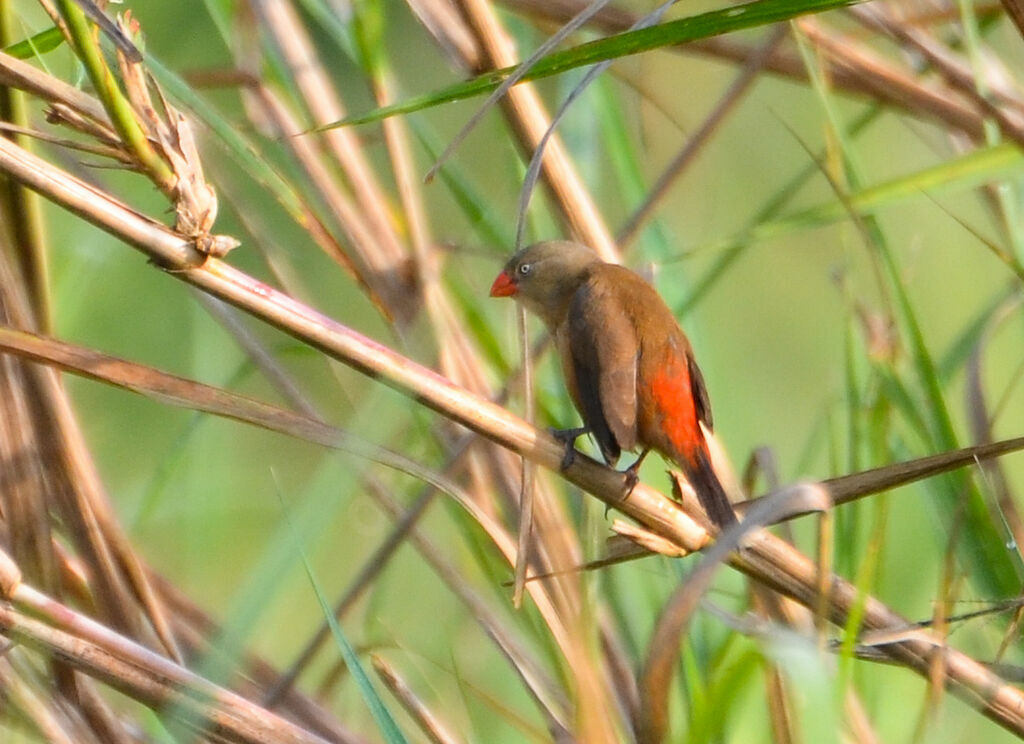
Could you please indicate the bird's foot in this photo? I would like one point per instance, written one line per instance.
(631, 474)
(568, 438)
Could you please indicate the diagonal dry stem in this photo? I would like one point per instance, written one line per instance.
(1006, 108)
(365, 204)
(148, 677)
(429, 722)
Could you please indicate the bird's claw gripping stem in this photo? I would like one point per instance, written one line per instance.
(568, 438)
(632, 472)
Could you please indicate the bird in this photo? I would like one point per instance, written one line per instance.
(628, 366)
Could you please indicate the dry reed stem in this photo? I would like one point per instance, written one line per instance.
(911, 640)
(426, 719)
(174, 390)
(322, 101)
(79, 362)
(78, 640)
(447, 27)
(309, 157)
(861, 730)
(1003, 106)
(196, 631)
(20, 210)
(100, 150)
(460, 362)
(151, 679)
(62, 477)
(34, 707)
(884, 81)
(16, 73)
(309, 427)
(556, 546)
(22, 452)
(1015, 10)
(766, 558)
(366, 214)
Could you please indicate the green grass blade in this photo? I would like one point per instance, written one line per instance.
(41, 43)
(702, 26)
(385, 722)
(967, 172)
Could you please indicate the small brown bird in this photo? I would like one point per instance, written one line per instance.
(627, 364)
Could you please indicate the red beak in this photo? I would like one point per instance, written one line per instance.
(503, 286)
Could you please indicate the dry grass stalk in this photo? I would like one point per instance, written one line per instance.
(996, 101)
(427, 720)
(362, 207)
(1015, 10)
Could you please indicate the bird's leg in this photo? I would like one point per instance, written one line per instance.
(568, 438)
(631, 472)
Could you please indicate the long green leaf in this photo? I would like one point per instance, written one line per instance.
(703, 26)
(385, 722)
(41, 43)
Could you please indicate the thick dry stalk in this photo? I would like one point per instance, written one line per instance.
(189, 698)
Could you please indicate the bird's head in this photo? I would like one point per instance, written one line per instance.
(544, 276)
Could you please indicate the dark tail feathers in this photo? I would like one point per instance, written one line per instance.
(710, 492)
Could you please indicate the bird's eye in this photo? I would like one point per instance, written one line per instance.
(525, 269)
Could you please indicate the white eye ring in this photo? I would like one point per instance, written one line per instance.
(525, 268)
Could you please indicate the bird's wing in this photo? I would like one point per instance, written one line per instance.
(604, 351)
(701, 400)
